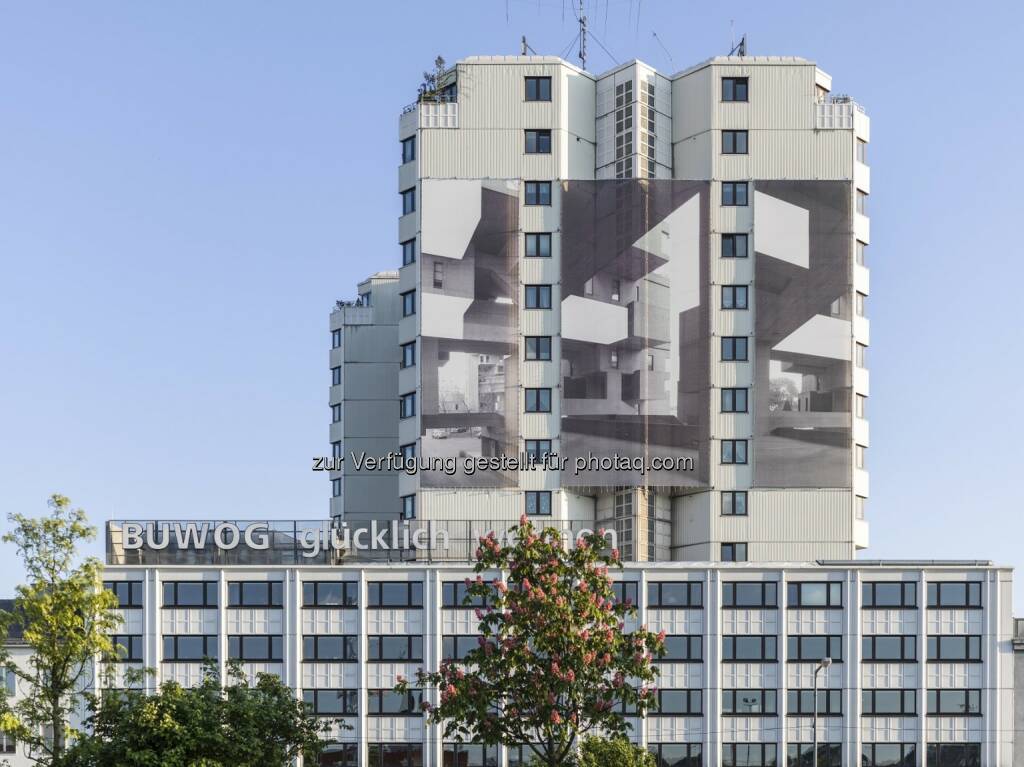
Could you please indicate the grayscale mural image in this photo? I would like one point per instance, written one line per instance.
(803, 334)
(634, 328)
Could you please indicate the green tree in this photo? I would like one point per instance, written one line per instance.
(66, 617)
(612, 752)
(553, 662)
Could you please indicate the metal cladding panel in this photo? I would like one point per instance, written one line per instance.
(485, 505)
(487, 153)
(371, 343)
(786, 154)
(494, 95)
(693, 98)
(371, 418)
(371, 380)
(781, 97)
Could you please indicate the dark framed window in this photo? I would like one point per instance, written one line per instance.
(407, 451)
(340, 755)
(734, 246)
(128, 593)
(469, 755)
(734, 451)
(734, 348)
(538, 400)
(538, 141)
(190, 593)
(409, 252)
(735, 297)
(330, 647)
(408, 354)
(335, 594)
(255, 594)
(674, 754)
(455, 596)
(734, 552)
(538, 192)
(538, 88)
(408, 303)
(538, 296)
(749, 703)
(408, 506)
(734, 400)
(521, 755)
(802, 755)
(807, 648)
(954, 648)
(408, 149)
(256, 647)
(750, 648)
(456, 646)
(888, 703)
(190, 647)
(954, 702)
(734, 142)
(748, 755)
(734, 503)
(683, 648)
(538, 244)
(336, 339)
(407, 405)
(335, 376)
(889, 755)
(961, 594)
(953, 755)
(538, 348)
(332, 702)
(392, 594)
(408, 201)
(862, 202)
(127, 648)
(627, 593)
(889, 594)
(336, 413)
(391, 703)
(669, 594)
(336, 488)
(336, 449)
(735, 89)
(814, 594)
(394, 755)
(8, 743)
(678, 703)
(758, 594)
(888, 648)
(734, 193)
(537, 449)
(538, 503)
(801, 702)
(392, 648)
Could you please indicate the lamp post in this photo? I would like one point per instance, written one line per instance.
(825, 663)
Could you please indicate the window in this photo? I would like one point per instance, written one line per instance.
(408, 506)
(734, 451)
(674, 754)
(407, 405)
(809, 648)
(669, 594)
(954, 648)
(734, 297)
(408, 201)
(190, 593)
(538, 245)
(888, 703)
(522, 756)
(255, 647)
(538, 142)
(538, 192)
(538, 400)
(858, 303)
(627, 593)
(734, 552)
(613, 359)
(10, 682)
(390, 648)
(801, 702)
(455, 595)
(734, 193)
(748, 755)
(457, 646)
(734, 503)
(386, 594)
(438, 275)
(408, 354)
(888, 595)
(538, 89)
(336, 413)
(255, 594)
(859, 249)
(340, 755)
(332, 702)
(616, 289)
(128, 593)
(734, 246)
(860, 456)
(802, 755)
(862, 202)
(889, 755)
(889, 648)
(860, 405)
(537, 449)
(734, 400)
(538, 502)
(189, 648)
(391, 703)
(954, 702)
(394, 755)
(336, 488)
(127, 647)
(8, 743)
(538, 347)
(953, 755)
(814, 595)
(335, 594)
(861, 355)
(749, 703)
(336, 339)
(755, 594)
(409, 252)
(330, 648)
(750, 648)
(365, 299)
(734, 88)
(409, 303)
(734, 142)
(650, 362)
(538, 296)
(734, 348)
(335, 376)
(682, 648)
(678, 703)
(408, 149)
(469, 755)
(862, 151)
(953, 594)
(858, 506)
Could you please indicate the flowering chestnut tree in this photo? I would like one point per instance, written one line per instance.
(553, 661)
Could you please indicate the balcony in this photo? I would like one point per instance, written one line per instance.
(836, 114)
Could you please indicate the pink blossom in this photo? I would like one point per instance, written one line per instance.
(450, 689)
(479, 613)
(556, 718)
(523, 521)
(661, 635)
(615, 555)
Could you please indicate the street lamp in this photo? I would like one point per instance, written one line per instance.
(825, 663)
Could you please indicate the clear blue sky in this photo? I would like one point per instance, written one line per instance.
(186, 188)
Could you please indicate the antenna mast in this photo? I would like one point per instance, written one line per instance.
(583, 37)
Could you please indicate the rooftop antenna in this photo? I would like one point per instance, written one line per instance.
(740, 48)
(526, 47)
(583, 37)
(670, 61)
